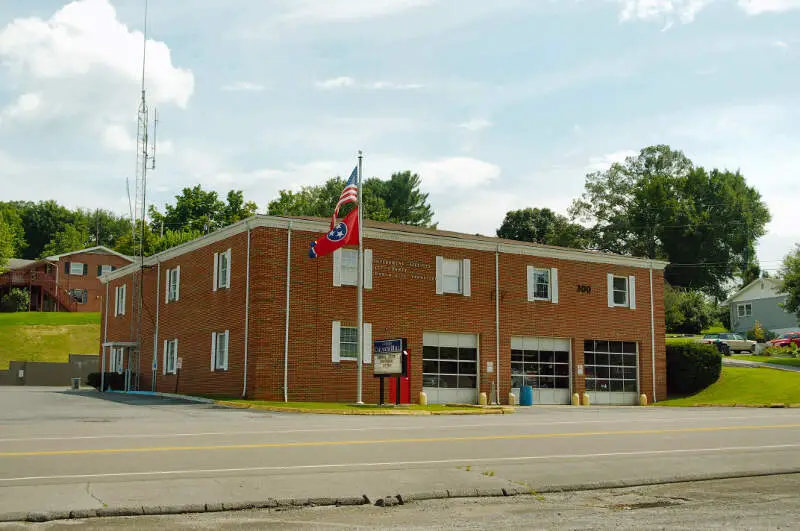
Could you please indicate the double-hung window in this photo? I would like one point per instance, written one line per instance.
(453, 276)
(621, 291)
(345, 268)
(222, 270)
(170, 356)
(119, 300)
(173, 284)
(344, 343)
(219, 350)
(543, 284)
(76, 268)
(349, 271)
(103, 269)
(744, 310)
(80, 296)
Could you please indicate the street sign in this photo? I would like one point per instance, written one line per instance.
(388, 357)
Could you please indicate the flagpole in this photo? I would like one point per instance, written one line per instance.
(360, 357)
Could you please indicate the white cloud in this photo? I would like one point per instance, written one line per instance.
(117, 138)
(347, 10)
(390, 85)
(24, 104)
(687, 10)
(603, 162)
(455, 173)
(243, 86)
(781, 44)
(757, 7)
(349, 82)
(336, 82)
(476, 124)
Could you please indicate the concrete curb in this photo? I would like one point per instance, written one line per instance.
(476, 410)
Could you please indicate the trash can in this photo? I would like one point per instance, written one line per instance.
(76, 383)
(526, 395)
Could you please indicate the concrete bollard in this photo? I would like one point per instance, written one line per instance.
(643, 399)
(512, 399)
(576, 399)
(482, 399)
(423, 398)
(586, 401)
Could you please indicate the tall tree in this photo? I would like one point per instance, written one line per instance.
(542, 225)
(6, 243)
(790, 272)
(71, 238)
(11, 213)
(42, 221)
(104, 226)
(195, 209)
(659, 205)
(237, 208)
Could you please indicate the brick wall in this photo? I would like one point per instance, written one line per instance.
(402, 303)
(89, 282)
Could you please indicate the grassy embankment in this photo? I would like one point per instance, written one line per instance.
(747, 387)
(47, 336)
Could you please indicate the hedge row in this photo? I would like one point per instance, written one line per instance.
(691, 367)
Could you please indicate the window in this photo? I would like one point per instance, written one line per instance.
(452, 276)
(744, 310)
(542, 363)
(116, 362)
(344, 343)
(170, 356)
(345, 268)
(453, 364)
(349, 271)
(119, 300)
(610, 366)
(541, 284)
(173, 284)
(103, 269)
(222, 270)
(219, 350)
(621, 291)
(79, 295)
(76, 268)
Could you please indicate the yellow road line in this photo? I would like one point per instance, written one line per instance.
(394, 441)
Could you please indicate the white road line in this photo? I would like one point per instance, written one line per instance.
(382, 428)
(467, 460)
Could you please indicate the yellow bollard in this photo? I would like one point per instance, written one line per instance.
(586, 401)
(482, 400)
(643, 400)
(423, 398)
(576, 399)
(512, 399)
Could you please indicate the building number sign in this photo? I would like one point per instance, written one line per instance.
(583, 288)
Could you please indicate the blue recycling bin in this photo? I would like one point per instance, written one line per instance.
(526, 395)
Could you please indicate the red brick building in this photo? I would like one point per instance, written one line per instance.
(245, 312)
(66, 282)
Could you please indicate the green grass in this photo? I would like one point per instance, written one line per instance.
(792, 362)
(740, 385)
(47, 336)
(340, 406)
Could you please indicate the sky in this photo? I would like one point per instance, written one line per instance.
(497, 105)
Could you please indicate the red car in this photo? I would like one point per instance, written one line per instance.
(785, 340)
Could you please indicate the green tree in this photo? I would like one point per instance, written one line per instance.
(790, 273)
(11, 213)
(6, 243)
(41, 222)
(195, 209)
(659, 205)
(237, 208)
(104, 226)
(542, 225)
(71, 238)
(687, 311)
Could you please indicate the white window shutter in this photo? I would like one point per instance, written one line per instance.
(124, 294)
(230, 270)
(610, 279)
(439, 273)
(367, 355)
(368, 268)
(213, 350)
(177, 283)
(176, 355)
(216, 270)
(116, 301)
(554, 285)
(164, 368)
(337, 267)
(335, 331)
(632, 292)
(466, 278)
(227, 350)
(531, 284)
(166, 290)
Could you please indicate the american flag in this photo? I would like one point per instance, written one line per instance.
(349, 194)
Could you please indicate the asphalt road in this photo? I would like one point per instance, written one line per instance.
(61, 450)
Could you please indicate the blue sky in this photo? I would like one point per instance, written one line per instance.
(498, 105)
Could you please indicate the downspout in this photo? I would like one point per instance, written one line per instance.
(286, 331)
(246, 313)
(497, 322)
(154, 365)
(105, 340)
(652, 332)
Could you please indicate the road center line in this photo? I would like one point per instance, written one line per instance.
(474, 438)
(470, 460)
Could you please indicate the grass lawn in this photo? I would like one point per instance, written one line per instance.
(793, 362)
(47, 336)
(339, 406)
(740, 385)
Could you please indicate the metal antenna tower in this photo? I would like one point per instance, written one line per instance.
(145, 161)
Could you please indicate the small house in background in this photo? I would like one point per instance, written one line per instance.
(67, 282)
(761, 301)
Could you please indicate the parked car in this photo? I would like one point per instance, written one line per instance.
(734, 342)
(785, 340)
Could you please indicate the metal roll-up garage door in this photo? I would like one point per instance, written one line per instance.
(543, 363)
(450, 368)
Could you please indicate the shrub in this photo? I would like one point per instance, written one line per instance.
(17, 300)
(791, 351)
(113, 380)
(759, 333)
(687, 311)
(691, 367)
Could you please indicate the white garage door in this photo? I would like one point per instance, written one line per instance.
(450, 368)
(612, 372)
(544, 364)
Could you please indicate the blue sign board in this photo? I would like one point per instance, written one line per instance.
(388, 345)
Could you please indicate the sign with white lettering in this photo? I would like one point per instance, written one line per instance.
(489, 366)
(388, 357)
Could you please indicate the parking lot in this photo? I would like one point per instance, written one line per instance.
(65, 450)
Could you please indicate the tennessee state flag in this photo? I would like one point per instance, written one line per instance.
(344, 233)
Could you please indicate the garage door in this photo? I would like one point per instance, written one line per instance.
(450, 368)
(612, 372)
(544, 364)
